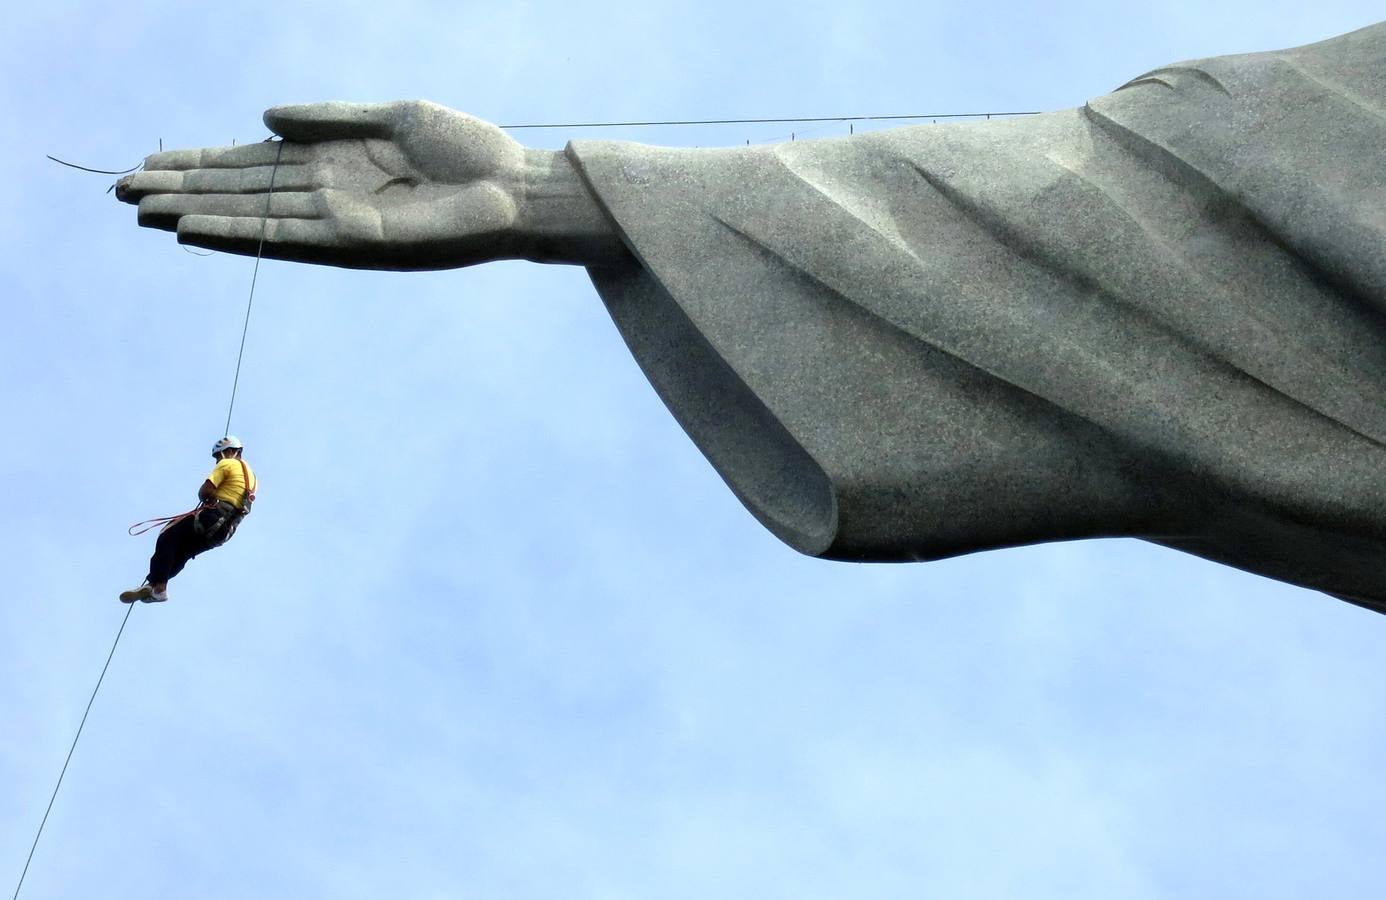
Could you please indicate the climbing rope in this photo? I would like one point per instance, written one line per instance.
(152, 523)
(162, 523)
(70, 750)
(259, 251)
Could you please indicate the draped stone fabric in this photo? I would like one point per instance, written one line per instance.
(1162, 315)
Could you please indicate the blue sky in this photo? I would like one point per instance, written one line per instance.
(495, 628)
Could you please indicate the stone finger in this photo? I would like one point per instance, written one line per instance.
(133, 188)
(283, 238)
(175, 160)
(166, 210)
(264, 153)
(256, 180)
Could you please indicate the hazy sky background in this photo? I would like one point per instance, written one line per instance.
(495, 628)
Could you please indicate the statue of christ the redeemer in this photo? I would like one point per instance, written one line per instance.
(1162, 315)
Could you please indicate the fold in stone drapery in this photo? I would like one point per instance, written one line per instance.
(1162, 315)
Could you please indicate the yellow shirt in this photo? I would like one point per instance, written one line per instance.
(227, 478)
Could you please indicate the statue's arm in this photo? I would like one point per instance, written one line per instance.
(404, 185)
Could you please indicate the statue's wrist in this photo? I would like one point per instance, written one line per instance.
(558, 220)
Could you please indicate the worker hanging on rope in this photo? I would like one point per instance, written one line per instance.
(226, 497)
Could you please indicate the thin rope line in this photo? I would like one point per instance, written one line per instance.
(977, 115)
(71, 749)
(259, 251)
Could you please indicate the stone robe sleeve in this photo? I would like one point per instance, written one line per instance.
(1162, 315)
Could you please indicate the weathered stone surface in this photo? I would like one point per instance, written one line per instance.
(1162, 315)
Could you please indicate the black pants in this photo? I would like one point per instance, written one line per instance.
(176, 546)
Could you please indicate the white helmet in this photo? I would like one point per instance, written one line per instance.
(230, 442)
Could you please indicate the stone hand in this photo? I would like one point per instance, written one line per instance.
(404, 185)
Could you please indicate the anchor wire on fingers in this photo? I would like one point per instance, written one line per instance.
(63, 162)
(71, 749)
(971, 115)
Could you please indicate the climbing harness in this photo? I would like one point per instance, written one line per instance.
(168, 521)
(206, 526)
(217, 520)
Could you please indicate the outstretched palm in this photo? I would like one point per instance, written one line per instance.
(406, 185)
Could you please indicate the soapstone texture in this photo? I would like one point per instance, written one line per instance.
(1162, 315)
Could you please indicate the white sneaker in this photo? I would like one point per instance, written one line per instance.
(154, 596)
(143, 592)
